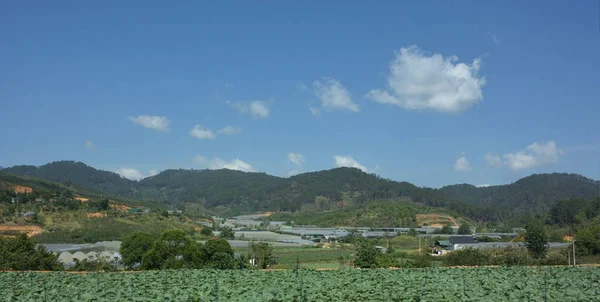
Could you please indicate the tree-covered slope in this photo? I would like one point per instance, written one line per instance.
(321, 190)
(78, 174)
(533, 194)
(24, 184)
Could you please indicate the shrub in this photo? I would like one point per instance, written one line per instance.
(467, 257)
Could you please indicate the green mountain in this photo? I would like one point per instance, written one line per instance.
(322, 190)
(78, 174)
(533, 194)
(10, 181)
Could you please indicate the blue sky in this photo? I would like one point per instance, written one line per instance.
(433, 93)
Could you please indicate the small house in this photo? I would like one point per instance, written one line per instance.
(443, 243)
(459, 242)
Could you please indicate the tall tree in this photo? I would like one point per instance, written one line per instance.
(536, 239)
(20, 254)
(133, 248)
(173, 249)
(227, 233)
(464, 229)
(366, 254)
(262, 253)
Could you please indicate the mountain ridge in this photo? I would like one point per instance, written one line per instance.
(339, 187)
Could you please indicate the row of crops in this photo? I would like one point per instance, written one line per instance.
(310, 257)
(441, 284)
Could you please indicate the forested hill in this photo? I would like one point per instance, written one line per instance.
(79, 174)
(12, 184)
(336, 188)
(533, 194)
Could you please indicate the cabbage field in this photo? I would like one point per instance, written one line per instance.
(435, 284)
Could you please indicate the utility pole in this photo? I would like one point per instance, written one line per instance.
(574, 263)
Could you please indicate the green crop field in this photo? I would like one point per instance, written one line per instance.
(439, 284)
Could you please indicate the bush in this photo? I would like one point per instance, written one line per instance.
(467, 257)
(421, 261)
(98, 265)
(511, 256)
(20, 254)
(227, 233)
(206, 232)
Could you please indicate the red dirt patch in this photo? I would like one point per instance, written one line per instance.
(30, 230)
(21, 189)
(95, 215)
(82, 199)
(119, 207)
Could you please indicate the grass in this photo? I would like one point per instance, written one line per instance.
(75, 227)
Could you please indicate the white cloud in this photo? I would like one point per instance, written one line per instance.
(483, 185)
(296, 158)
(420, 82)
(314, 110)
(301, 86)
(134, 174)
(230, 130)
(495, 38)
(536, 154)
(201, 132)
(88, 144)
(218, 163)
(462, 164)
(158, 123)
(333, 95)
(200, 160)
(493, 160)
(348, 161)
(293, 172)
(257, 109)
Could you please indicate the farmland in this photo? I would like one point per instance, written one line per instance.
(439, 284)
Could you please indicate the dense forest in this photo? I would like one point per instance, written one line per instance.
(322, 190)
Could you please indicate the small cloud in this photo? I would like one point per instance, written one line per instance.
(301, 86)
(348, 161)
(536, 154)
(494, 38)
(314, 110)
(257, 109)
(296, 158)
(493, 160)
(217, 163)
(200, 160)
(462, 164)
(483, 185)
(88, 144)
(293, 172)
(333, 95)
(230, 130)
(201, 133)
(134, 174)
(158, 123)
(417, 81)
